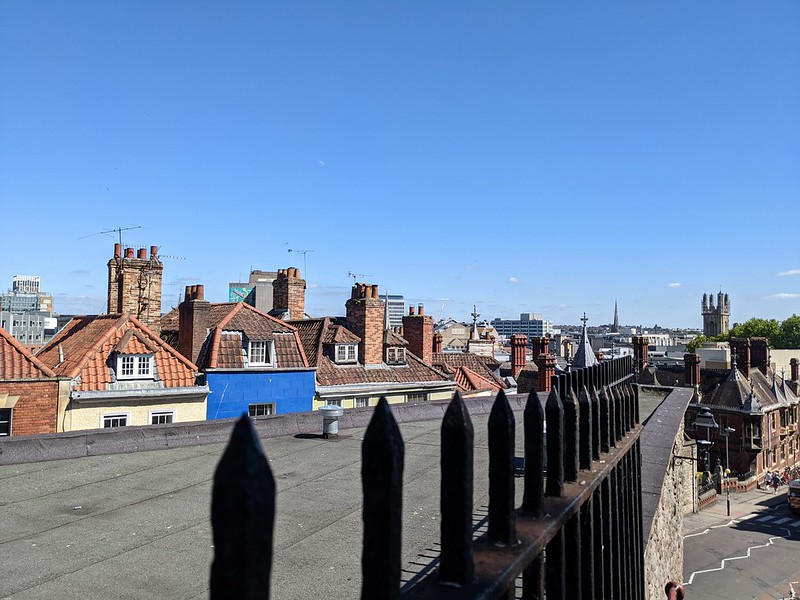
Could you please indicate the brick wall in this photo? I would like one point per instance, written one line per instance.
(289, 292)
(36, 410)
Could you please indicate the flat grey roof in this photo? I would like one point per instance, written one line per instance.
(137, 525)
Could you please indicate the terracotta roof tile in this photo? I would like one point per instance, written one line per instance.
(469, 381)
(17, 362)
(482, 365)
(87, 342)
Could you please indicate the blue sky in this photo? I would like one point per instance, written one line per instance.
(522, 156)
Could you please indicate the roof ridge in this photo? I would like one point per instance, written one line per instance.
(163, 344)
(27, 354)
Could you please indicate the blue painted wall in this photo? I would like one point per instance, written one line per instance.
(231, 393)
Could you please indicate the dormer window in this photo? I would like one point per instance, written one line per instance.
(135, 366)
(260, 353)
(346, 353)
(395, 356)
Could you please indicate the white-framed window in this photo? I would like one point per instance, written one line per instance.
(346, 353)
(334, 402)
(259, 352)
(135, 366)
(161, 417)
(261, 410)
(395, 356)
(114, 420)
(361, 402)
(5, 422)
(417, 397)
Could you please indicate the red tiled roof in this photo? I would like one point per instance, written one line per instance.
(88, 341)
(469, 381)
(17, 362)
(481, 365)
(233, 323)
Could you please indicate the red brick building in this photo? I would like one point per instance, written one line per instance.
(31, 394)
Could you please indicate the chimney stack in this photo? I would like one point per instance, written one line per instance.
(641, 352)
(193, 320)
(518, 344)
(740, 353)
(365, 318)
(547, 369)
(134, 285)
(691, 369)
(793, 370)
(540, 346)
(289, 293)
(418, 331)
(437, 342)
(759, 354)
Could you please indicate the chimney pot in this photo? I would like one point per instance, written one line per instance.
(199, 292)
(117, 250)
(411, 311)
(421, 310)
(153, 251)
(141, 253)
(128, 252)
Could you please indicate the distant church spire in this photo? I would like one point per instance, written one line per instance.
(616, 318)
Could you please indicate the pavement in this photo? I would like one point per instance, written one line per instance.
(137, 525)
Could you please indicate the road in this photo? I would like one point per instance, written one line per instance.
(752, 554)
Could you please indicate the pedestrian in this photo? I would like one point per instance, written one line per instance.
(776, 481)
(675, 591)
(768, 480)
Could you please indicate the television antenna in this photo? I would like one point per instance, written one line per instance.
(118, 231)
(303, 252)
(355, 276)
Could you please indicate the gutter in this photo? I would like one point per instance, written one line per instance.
(178, 393)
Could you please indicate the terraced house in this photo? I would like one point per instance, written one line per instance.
(121, 373)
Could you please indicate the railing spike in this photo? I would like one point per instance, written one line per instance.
(533, 422)
(502, 517)
(554, 414)
(242, 518)
(382, 460)
(458, 436)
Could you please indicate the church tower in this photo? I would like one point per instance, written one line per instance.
(716, 317)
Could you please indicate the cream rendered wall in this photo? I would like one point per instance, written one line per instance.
(88, 415)
(395, 398)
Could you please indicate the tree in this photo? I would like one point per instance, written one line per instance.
(768, 328)
(789, 335)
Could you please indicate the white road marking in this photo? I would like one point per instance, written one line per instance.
(722, 564)
(782, 521)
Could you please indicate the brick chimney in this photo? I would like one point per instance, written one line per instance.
(193, 317)
(691, 369)
(365, 317)
(134, 285)
(289, 293)
(437, 342)
(759, 353)
(793, 368)
(546, 364)
(418, 331)
(518, 345)
(540, 346)
(740, 352)
(641, 352)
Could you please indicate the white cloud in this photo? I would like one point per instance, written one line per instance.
(674, 285)
(789, 273)
(512, 280)
(783, 296)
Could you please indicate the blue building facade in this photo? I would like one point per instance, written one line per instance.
(232, 393)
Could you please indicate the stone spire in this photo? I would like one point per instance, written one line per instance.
(584, 356)
(616, 318)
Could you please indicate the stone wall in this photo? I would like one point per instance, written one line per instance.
(667, 490)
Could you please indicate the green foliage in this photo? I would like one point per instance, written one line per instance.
(768, 328)
(789, 335)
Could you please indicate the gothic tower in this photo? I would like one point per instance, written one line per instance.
(716, 318)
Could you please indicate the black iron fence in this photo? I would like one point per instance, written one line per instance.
(577, 534)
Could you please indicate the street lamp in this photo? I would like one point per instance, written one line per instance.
(706, 419)
(727, 433)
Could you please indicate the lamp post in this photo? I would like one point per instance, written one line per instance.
(706, 420)
(727, 433)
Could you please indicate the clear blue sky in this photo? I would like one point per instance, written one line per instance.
(523, 156)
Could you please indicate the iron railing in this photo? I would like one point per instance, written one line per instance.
(577, 534)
